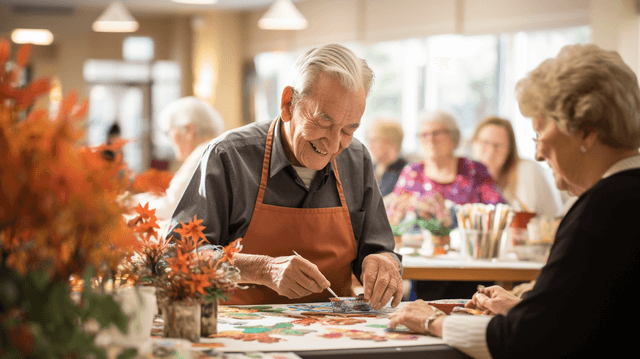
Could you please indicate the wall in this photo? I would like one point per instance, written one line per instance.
(217, 63)
(75, 42)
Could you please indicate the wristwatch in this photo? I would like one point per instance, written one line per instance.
(436, 314)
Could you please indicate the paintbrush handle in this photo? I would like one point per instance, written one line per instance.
(328, 288)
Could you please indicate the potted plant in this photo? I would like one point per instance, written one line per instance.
(429, 213)
(189, 281)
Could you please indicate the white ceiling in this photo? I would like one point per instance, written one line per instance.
(142, 6)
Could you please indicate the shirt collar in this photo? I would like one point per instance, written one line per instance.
(279, 159)
(623, 165)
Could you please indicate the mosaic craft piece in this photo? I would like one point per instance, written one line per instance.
(343, 321)
(379, 326)
(355, 334)
(350, 305)
(305, 321)
(247, 337)
(268, 309)
(227, 309)
(245, 316)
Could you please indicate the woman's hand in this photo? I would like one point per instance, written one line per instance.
(492, 300)
(413, 315)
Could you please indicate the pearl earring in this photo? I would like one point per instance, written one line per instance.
(583, 149)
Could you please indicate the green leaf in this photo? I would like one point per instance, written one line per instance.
(128, 354)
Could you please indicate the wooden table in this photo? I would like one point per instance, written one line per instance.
(458, 269)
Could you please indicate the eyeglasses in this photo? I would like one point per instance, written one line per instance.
(435, 134)
(496, 146)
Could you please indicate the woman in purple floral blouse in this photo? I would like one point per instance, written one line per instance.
(457, 179)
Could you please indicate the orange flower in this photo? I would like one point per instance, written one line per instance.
(144, 215)
(24, 54)
(5, 49)
(180, 263)
(198, 282)
(193, 229)
(153, 181)
(230, 250)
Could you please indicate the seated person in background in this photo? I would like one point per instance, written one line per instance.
(585, 109)
(385, 144)
(113, 135)
(300, 183)
(523, 182)
(457, 179)
(191, 124)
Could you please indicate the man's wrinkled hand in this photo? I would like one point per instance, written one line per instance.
(295, 277)
(381, 280)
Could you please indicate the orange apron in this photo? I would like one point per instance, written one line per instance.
(324, 236)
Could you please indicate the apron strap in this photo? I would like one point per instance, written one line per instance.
(265, 170)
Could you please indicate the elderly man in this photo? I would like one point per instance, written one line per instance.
(301, 183)
(191, 123)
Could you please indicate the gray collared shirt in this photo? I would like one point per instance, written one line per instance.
(224, 188)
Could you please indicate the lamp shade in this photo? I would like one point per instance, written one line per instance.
(196, 2)
(282, 15)
(115, 18)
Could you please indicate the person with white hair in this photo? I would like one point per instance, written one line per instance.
(191, 124)
(300, 184)
(385, 143)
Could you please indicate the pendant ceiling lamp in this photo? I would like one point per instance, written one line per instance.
(282, 15)
(115, 18)
(196, 2)
(32, 36)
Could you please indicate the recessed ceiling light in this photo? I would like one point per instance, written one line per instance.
(32, 36)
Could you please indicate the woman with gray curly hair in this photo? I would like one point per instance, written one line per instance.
(584, 105)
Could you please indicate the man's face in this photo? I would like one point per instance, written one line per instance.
(322, 124)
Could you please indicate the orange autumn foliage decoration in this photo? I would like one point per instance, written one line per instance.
(153, 181)
(58, 209)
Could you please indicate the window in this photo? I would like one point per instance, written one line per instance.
(470, 76)
(131, 93)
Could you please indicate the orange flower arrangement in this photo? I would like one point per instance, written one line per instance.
(57, 205)
(176, 267)
(59, 219)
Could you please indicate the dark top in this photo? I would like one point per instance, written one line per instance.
(224, 188)
(583, 302)
(391, 175)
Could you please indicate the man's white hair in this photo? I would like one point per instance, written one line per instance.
(334, 59)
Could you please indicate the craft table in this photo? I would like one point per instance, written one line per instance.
(461, 269)
(312, 331)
